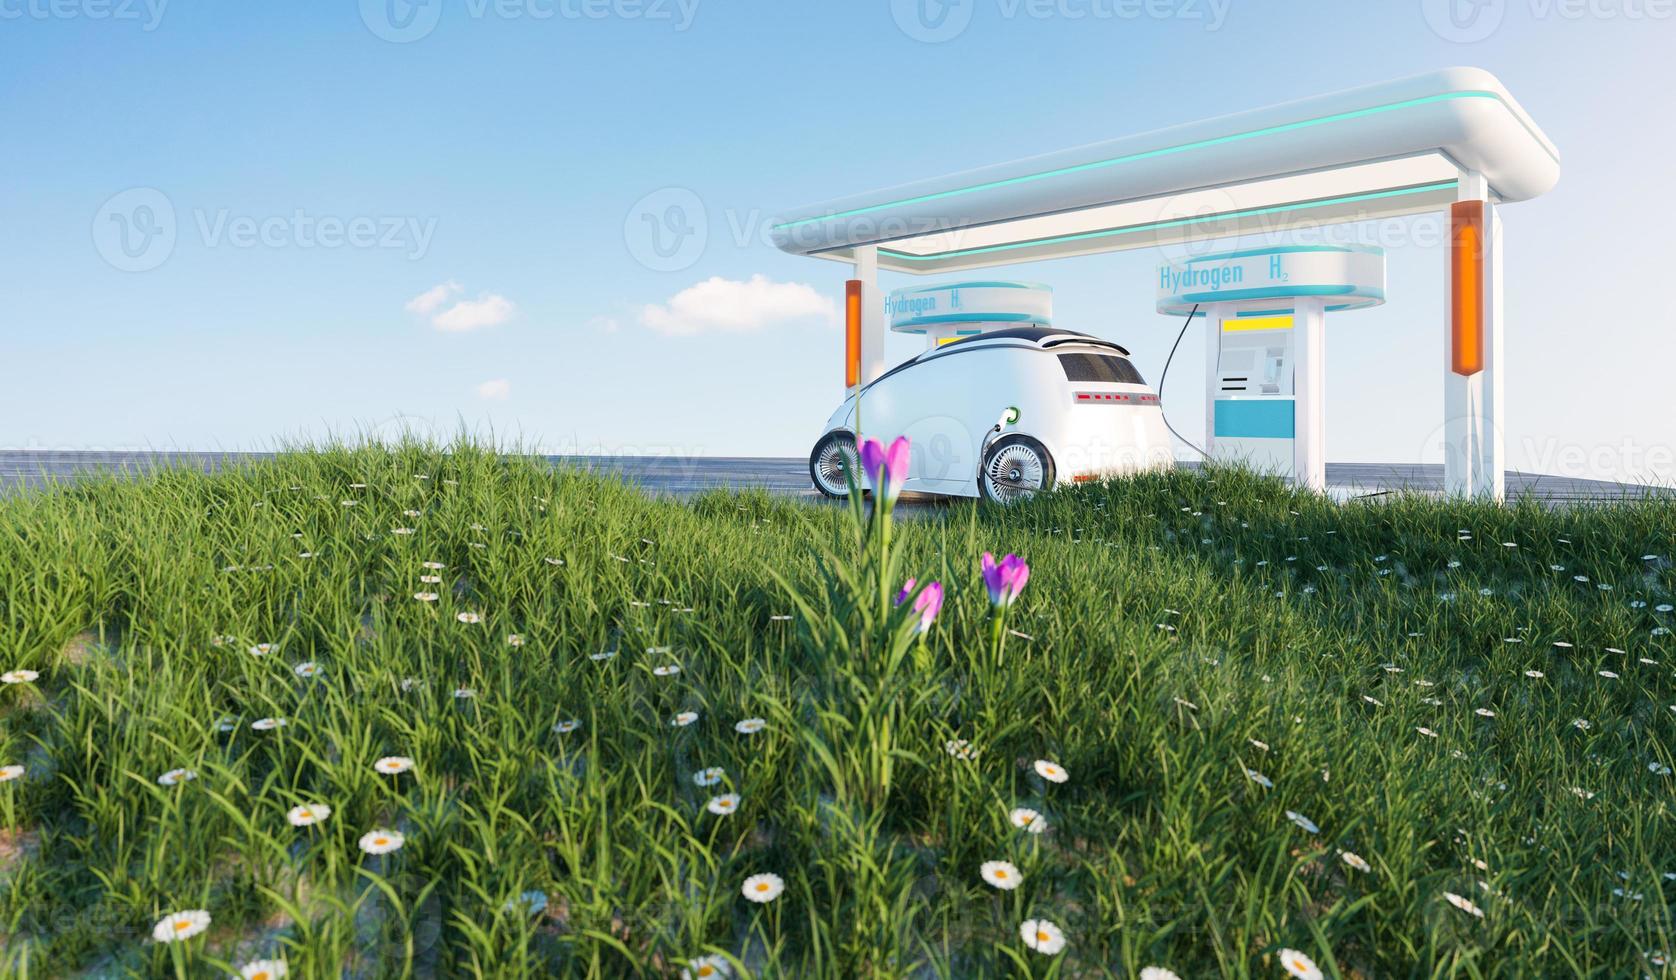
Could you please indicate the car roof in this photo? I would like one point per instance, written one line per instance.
(1039, 338)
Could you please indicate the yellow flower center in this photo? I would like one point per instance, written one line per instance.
(181, 925)
(305, 814)
(380, 841)
(762, 886)
(1041, 936)
(1298, 965)
(706, 970)
(1000, 873)
(260, 975)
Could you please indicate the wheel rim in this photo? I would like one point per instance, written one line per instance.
(1014, 473)
(830, 464)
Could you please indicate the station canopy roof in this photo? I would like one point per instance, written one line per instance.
(1383, 150)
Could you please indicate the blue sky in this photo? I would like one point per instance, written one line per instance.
(322, 176)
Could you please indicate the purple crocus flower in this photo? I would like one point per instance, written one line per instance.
(927, 605)
(1004, 580)
(907, 590)
(886, 468)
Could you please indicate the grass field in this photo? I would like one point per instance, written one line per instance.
(1470, 710)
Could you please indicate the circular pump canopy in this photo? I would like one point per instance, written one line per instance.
(1347, 277)
(961, 309)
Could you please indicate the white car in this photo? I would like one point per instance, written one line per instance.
(1003, 414)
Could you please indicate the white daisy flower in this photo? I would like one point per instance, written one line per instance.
(261, 649)
(435, 566)
(404, 531)
(393, 765)
(19, 676)
(1582, 793)
(1258, 778)
(707, 968)
(1027, 820)
(683, 719)
(1608, 674)
(381, 841)
(709, 777)
(1484, 712)
(1302, 821)
(602, 655)
(430, 579)
(1537, 674)
(468, 617)
(263, 970)
(268, 724)
(174, 777)
(666, 670)
(514, 640)
(554, 561)
(1042, 936)
(464, 693)
(762, 888)
(1658, 768)
(307, 814)
(1053, 772)
(177, 926)
(9, 773)
(425, 596)
(1581, 724)
(1464, 904)
(307, 668)
(1299, 965)
(1355, 861)
(1157, 973)
(960, 748)
(1426, 732)
(750, 726)
(724, 804)
(568, 726)
(1001, 874)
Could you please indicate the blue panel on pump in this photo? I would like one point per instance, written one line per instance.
(1255, 418)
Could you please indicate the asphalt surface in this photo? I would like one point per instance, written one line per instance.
(685, 477)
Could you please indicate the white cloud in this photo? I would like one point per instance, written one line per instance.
(486, 310)
(427, 301)
(727, 305)
(498, 390)
(603, 324)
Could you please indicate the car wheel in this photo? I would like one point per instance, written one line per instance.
(834, 454)
(1015, 468)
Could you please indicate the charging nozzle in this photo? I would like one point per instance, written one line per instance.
(1008, 417)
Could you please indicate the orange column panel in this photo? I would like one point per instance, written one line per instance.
(852, 333)
(1466, 287)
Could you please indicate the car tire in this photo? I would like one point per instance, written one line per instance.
(834, 451)
(1018, 459)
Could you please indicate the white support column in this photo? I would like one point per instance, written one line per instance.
(1309, 390)
(1213, 373)
(872, 313)
(1474, 452)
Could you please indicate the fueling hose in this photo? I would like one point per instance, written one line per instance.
(1161, 378)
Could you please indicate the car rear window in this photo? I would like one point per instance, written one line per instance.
(1108, 368)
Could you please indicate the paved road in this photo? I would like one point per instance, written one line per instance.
(685, 477)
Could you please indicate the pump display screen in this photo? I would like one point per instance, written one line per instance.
(1107, 368)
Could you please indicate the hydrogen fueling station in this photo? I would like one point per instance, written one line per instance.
(1450, 141)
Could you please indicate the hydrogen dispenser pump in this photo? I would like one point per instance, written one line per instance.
(1264, 313)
